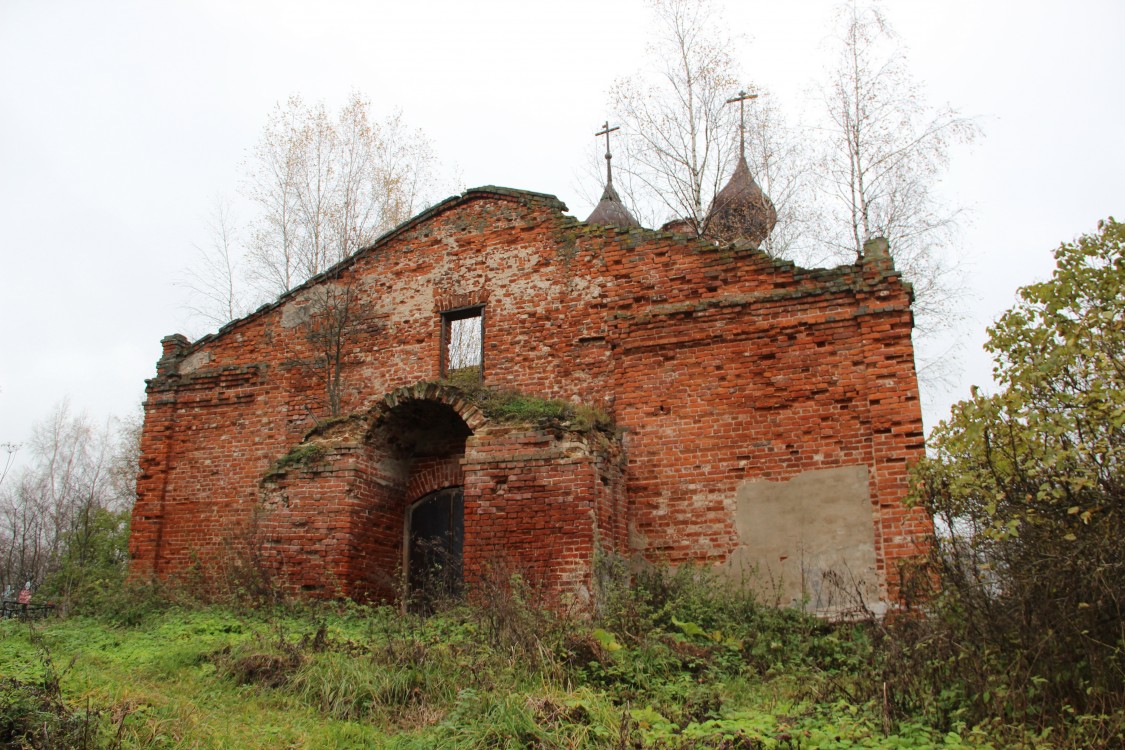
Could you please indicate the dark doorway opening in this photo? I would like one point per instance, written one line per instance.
(436, 539)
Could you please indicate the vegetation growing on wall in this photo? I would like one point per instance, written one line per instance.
(503, 405)
(300, 455)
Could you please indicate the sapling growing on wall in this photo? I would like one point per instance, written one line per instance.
(335, 317)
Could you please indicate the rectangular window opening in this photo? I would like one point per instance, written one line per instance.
(463, 345)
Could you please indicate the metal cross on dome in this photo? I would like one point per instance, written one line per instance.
(606, 130)
(742, 97)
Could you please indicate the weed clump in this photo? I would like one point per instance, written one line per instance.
(34, 714)
(512, 406)
(255, 667)
(304, 454)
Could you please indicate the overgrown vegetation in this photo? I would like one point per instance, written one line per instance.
(512, 406)
(674, 661)
(1028, 624)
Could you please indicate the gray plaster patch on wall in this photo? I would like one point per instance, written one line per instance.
(194, 361)
(809, 542)
(294, 313)
(300, 309)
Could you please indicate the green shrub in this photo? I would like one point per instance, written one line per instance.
(1029, 484)
(93, 563)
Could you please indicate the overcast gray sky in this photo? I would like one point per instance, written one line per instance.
(121, 121)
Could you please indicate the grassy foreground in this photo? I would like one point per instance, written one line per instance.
(689, 670)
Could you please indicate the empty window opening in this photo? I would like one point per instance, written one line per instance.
(463, 344)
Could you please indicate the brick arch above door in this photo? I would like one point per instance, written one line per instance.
(432, 474)
(433, 392)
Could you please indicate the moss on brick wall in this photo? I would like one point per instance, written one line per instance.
(514, 407)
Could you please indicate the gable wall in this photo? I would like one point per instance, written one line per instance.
(721, 367)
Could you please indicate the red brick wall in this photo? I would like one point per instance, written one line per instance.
(718, 363)
(305, 531)
(534, 501)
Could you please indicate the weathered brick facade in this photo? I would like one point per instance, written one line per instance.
(730, 377)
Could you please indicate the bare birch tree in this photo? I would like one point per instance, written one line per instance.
(336, 315)
(326, 186)
(781, 161)
(323, 186)
(680, 138)
(10, 450)
(885, 154)
(273, 254)
(215, 280)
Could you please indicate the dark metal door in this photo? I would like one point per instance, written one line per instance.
(437, 534)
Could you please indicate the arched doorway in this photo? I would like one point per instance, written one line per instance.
(411, 531)
(435, 537)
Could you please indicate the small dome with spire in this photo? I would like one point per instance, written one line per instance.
(610, 211)
(741, 210)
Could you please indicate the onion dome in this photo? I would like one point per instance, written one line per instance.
(680, 226)
(741, 211)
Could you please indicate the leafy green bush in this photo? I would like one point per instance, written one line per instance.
(1029, 484)
(93, 563)
(128, 604)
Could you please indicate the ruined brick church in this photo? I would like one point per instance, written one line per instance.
(496, 385)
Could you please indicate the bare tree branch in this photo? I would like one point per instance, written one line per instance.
(884, 156)
(215, 278)
(680, 137)
(328, 186)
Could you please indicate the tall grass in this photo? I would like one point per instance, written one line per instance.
(674, 659)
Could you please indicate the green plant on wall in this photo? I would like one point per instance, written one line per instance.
(506, 405)
(301, 455)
